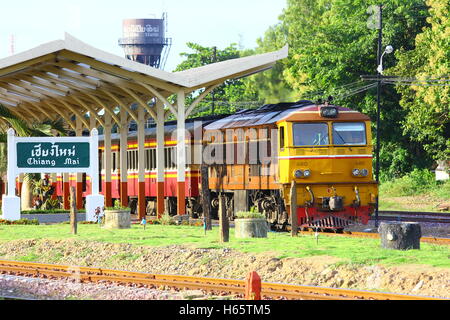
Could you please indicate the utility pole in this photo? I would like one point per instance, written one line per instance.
(377, 165)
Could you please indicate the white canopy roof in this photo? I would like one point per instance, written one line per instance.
(67, 78)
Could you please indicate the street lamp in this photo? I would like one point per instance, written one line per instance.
(388, 50)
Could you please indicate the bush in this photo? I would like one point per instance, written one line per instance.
(117, 206)
(54, 211)
(23, 222)
(416, 182)
(249, 215)
(166, 220)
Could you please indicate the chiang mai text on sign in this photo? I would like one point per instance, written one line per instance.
(53, 155)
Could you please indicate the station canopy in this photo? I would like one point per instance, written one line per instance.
(68, 79)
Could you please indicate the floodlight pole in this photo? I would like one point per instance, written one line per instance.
(377, 165)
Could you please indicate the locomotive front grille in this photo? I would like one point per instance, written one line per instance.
(330, 222)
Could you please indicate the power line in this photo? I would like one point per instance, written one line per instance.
(418, 84)
(334, 91)
(430, 82)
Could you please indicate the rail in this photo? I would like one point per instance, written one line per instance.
(441, 241)
(427, 217)
(269, 290)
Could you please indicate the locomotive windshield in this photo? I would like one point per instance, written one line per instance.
(349, 133)
(311, 134)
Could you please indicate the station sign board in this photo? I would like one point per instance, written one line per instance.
(52, 155)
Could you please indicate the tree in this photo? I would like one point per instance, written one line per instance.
(271, 85)
(227, 98)
(331, 46)
(428, 107)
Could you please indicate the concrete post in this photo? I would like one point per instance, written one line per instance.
(108, 164)
(11, 203)
(141, 163)
(95, 201)
(92, 126)
(160, 159)
(123, 157)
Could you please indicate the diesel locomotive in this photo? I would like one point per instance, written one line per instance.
(253, 156)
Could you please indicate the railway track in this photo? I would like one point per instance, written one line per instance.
(441, 241)
(427, 217)
(215, 286)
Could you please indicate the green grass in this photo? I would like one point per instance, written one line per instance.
(416, 191)
(351, 250)
(417, 182)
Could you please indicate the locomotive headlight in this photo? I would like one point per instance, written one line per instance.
(356, 172)
(298, 174)
(307, 173)
(364, 172)
(329, 112)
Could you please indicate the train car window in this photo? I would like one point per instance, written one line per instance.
(166, 158)
(310, 134)
(100, 160)
(255, 170)
(130, 163)
(348, 133)
(282, 137)
(136, 160)
(130, 160)
(113, 155)
(174, 157)
(147, 159)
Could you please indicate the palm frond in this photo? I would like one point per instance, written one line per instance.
(19, 125)
(57, 125)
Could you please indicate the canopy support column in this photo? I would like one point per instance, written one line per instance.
(181, 151)
(108, 158)
(141, 163)
(160, 158)
(123, 157)
(92, 126)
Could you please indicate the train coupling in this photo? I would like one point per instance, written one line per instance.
(335, 203)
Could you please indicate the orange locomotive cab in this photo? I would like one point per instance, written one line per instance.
(327, 151)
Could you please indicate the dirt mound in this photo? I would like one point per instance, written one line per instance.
(225, 263)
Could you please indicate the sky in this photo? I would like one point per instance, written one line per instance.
(99, 22)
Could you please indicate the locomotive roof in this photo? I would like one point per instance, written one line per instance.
(274, 113)
(269, 113)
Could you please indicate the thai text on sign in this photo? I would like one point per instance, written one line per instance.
(53, 155)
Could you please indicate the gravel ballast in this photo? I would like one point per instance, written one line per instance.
(230, 264)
